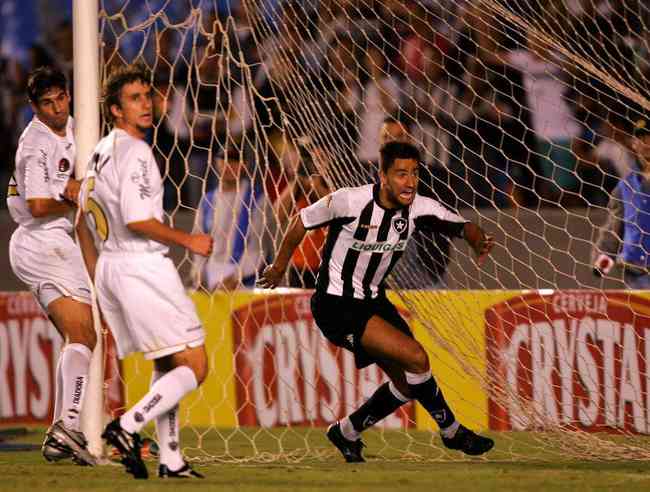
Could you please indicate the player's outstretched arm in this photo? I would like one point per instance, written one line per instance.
(479, 241)
(273, 273)
(200, 244)
(87, 246)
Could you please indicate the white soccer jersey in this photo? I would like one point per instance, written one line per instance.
(44, 163)
(365, 240)
(123, 185)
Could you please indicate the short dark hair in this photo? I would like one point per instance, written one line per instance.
(118, 78)
(391, 151)
(43, 79)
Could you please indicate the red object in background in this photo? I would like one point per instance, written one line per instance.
(29, 349)
(570, 358)
(288, 374)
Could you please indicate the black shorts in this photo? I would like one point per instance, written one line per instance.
(343, 321)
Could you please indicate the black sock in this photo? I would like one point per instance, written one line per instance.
(380, 405)
(430, 397)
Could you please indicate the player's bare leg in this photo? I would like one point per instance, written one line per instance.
(179, 374)
(385, 342)
(73, 320)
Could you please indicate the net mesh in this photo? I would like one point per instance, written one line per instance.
(523, 111)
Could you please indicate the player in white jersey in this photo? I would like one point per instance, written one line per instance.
(138, 288)
(369, 227)
(41, 199)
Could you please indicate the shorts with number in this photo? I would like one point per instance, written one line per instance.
(50, 263)
(145, 305)
(343, 321)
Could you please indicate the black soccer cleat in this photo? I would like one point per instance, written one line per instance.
(129, 446)
(468, 442)
(351, 450)
(185, 471)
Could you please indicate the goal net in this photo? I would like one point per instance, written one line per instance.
(524, 113)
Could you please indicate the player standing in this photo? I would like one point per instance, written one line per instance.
(369, 227)
(41, 199)
(138, 288)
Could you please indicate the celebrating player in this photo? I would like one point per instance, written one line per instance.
(41, 199)
(139, 290)
(369, 227)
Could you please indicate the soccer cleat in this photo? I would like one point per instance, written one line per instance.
(351, 450)
(468, 442)
(185, 471)
(62, 443)
(54, 451)
(129, 446)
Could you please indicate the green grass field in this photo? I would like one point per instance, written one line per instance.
(395, 462)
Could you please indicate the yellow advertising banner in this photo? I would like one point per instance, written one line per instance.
(269, 365)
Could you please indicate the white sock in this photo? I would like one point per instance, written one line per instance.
(348, 430)
(167, 430)
(58, 389)
(75, 362)
(163, 395)
(449, 432)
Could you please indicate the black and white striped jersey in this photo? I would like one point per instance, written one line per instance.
(365, 240)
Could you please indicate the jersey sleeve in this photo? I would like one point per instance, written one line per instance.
(38, 172)
(140, 185)
(333, 206)
(431, 215)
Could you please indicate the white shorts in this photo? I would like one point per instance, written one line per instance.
(50, 263)
(145, 305)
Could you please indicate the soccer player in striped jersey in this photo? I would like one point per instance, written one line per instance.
(369, 227)
(42, 199)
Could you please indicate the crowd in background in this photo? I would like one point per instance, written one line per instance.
(504, 116)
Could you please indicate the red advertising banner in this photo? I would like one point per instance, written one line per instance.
(29, 347)
(289, 374)
(570, 358)
(29, 350)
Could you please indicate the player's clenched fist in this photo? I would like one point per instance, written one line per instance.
(271, 277)
(201, 244)
(71, 191)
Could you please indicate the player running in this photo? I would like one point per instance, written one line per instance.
(369, 227)
(41, 199)
(138, 288)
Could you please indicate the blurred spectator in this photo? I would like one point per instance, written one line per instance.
(602, 165)
(420, 61)
(614, 151)
(306, 187)
(625, 238)
(343, 93)
(234, 213)
(553, 116)
(472, 66)
(379, 98)
(199, 112)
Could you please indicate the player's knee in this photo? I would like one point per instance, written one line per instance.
(87, 333)
(200, 372)
(83, 332)
(90, 338)
(419, 360)
(200, 367)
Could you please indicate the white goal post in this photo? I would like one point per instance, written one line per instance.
(86, 113)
